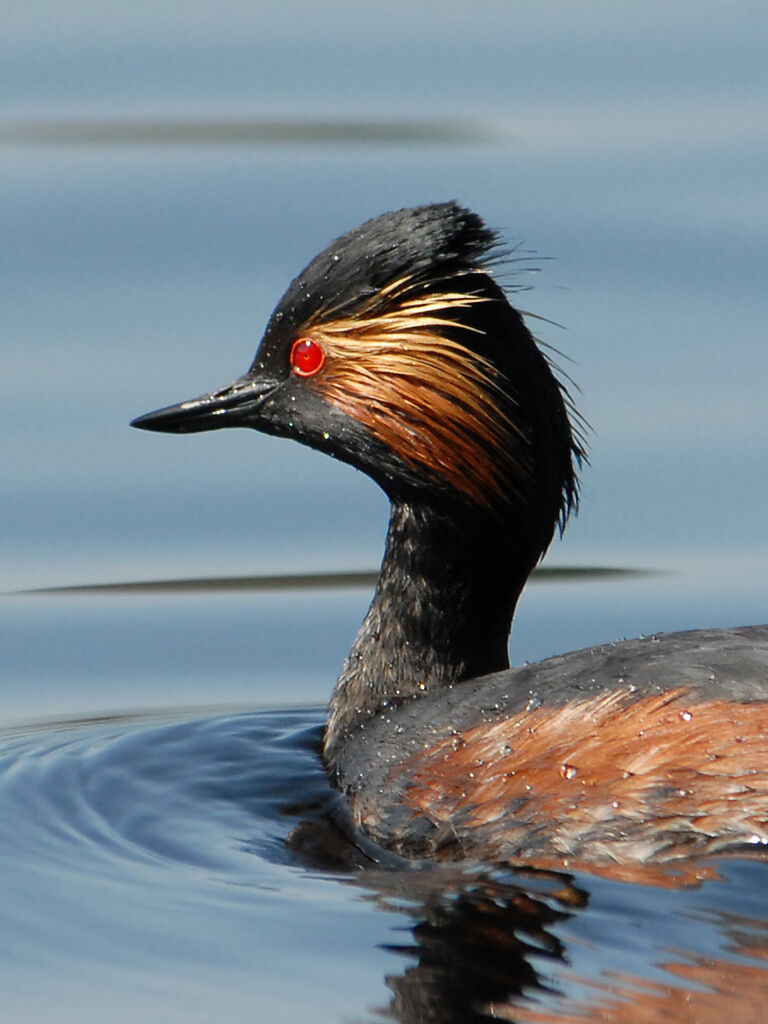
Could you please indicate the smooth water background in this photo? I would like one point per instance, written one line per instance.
(165, 169)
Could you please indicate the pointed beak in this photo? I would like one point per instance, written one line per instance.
(237, 405)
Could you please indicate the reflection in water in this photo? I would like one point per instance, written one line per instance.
(484, 948)
(701, 990)
(477, 946)
(203, 854)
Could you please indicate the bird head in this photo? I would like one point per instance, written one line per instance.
(395, 350)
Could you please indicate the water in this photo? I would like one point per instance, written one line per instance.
(179, 865)
(164, 832)
(147, 872)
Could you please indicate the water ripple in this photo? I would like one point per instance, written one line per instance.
(202, 794)
(152, 863)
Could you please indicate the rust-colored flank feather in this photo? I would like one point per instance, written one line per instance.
(611, 778)
(435, 402)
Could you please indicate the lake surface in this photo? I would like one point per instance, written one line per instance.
(166, 170)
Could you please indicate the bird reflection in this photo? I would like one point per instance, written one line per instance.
(489, 943)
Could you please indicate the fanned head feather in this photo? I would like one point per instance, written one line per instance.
(423, 350)
(434, 401)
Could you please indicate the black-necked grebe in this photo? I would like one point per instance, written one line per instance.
(396, 351)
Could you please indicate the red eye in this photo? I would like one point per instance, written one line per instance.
(307, 357)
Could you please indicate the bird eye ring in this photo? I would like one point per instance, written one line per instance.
(307, 357)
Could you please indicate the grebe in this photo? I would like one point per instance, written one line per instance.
(396, 351)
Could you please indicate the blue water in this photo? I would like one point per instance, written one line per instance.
(157, 749)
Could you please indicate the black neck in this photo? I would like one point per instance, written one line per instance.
(441, 613)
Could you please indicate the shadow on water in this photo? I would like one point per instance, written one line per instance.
(246, 131)
(231, 818)
(320, 581)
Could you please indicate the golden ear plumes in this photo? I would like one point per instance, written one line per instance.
(435, 402)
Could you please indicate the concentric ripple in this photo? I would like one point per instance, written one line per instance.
(204, 793)
(143, 860)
